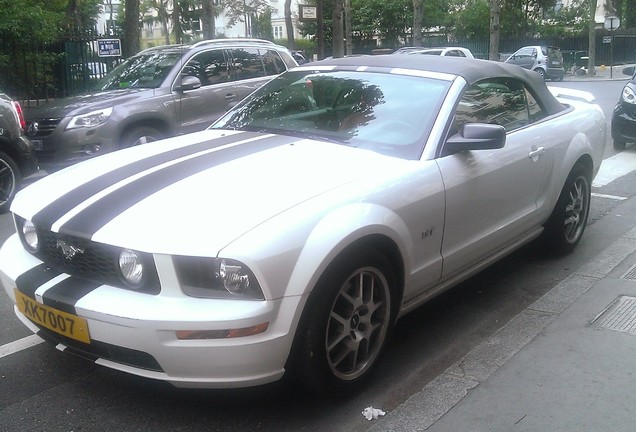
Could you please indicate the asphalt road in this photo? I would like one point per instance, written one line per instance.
(44, 390)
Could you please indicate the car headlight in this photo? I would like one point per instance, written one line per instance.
(131, 267)
(628, 95)
(91, 119)
(217, 278)
(28, 234)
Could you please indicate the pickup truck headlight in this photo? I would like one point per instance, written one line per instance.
(91, 119)
(628, 95)
(220, 278)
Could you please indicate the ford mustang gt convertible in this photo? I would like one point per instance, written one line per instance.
(289, 237)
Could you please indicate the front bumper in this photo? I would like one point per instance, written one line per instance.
(624, 123)
(136, 333)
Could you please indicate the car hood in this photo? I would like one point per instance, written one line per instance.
(193, 194)
(84, 103)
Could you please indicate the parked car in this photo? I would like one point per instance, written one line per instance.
(17, 157)
(447, 51)
(547, 61)
(624, 115)
(158, 93)
(291, 235)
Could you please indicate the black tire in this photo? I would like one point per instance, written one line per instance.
(619, 145)
(10, 179)
(566, 225)
(541, 73)
(140, 135)
(345, 325)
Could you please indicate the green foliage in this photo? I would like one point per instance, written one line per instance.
(29, 21)
(472, 20)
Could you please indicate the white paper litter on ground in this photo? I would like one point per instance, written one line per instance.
(372, 413)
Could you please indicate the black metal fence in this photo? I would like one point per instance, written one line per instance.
(38, 72)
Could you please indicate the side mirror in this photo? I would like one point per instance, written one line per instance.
(629, 70)
(188, 82)
(476, 136)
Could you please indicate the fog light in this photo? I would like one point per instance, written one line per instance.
(221, 334)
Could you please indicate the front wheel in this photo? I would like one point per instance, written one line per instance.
(566, 225)
(140, 135)
(345, 325)
(541, 73)
(9, 180)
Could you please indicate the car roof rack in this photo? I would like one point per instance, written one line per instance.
(231, 40)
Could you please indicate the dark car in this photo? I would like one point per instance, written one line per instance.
(17, 158)
(547, 61)
(624, 116)
(161, 92)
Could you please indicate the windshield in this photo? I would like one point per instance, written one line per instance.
(388, 113)
(142, 71)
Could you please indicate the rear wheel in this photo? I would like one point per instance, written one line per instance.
(9, 180)
(345, 325)
(566, 225)
(140, 135)
(619, 145)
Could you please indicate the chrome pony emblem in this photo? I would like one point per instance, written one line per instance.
(68, 250)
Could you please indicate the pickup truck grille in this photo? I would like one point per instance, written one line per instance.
(38, 128)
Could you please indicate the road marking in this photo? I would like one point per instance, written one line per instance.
(614, 167)
(614, 197)
(19, 345)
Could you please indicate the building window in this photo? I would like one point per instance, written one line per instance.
(278, 32)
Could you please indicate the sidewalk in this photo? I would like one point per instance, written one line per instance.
(601, 73)
(565, 364)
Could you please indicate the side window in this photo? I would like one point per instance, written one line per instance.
(247, 63)
(211, 67)
(505, 102)
(274, 65)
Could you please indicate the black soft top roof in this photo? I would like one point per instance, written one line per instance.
(472, 70)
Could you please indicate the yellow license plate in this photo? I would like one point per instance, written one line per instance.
(55, 320)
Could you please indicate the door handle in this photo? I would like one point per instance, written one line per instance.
(535, 153)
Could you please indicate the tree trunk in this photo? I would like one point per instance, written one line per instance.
(208, 23)
(591, 38)
(289, 26)
(176, 22)
(132, 32)
(337, 31)
(493, 53)
(348, 27)
(418, 16)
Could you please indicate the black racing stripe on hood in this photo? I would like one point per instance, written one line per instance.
(87, 222)
(65, 294)
(29, 281)
(58, 208)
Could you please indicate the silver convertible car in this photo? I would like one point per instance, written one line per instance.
(289, 237)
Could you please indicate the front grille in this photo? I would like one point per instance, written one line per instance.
(39, 128)
(91, 260)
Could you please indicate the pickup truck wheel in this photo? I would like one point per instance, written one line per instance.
(566, 225)
(140, 135)
(9, 180)
(619, 145)
(541, 73)
(345, 325)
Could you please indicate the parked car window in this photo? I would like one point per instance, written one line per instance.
(525, 53)
(504, 102)
(247, 63)
(211, 67)
(274, 65)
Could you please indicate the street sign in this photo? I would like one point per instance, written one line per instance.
(109, 48)
(308, 12)
(612, 22)
(607, 39)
